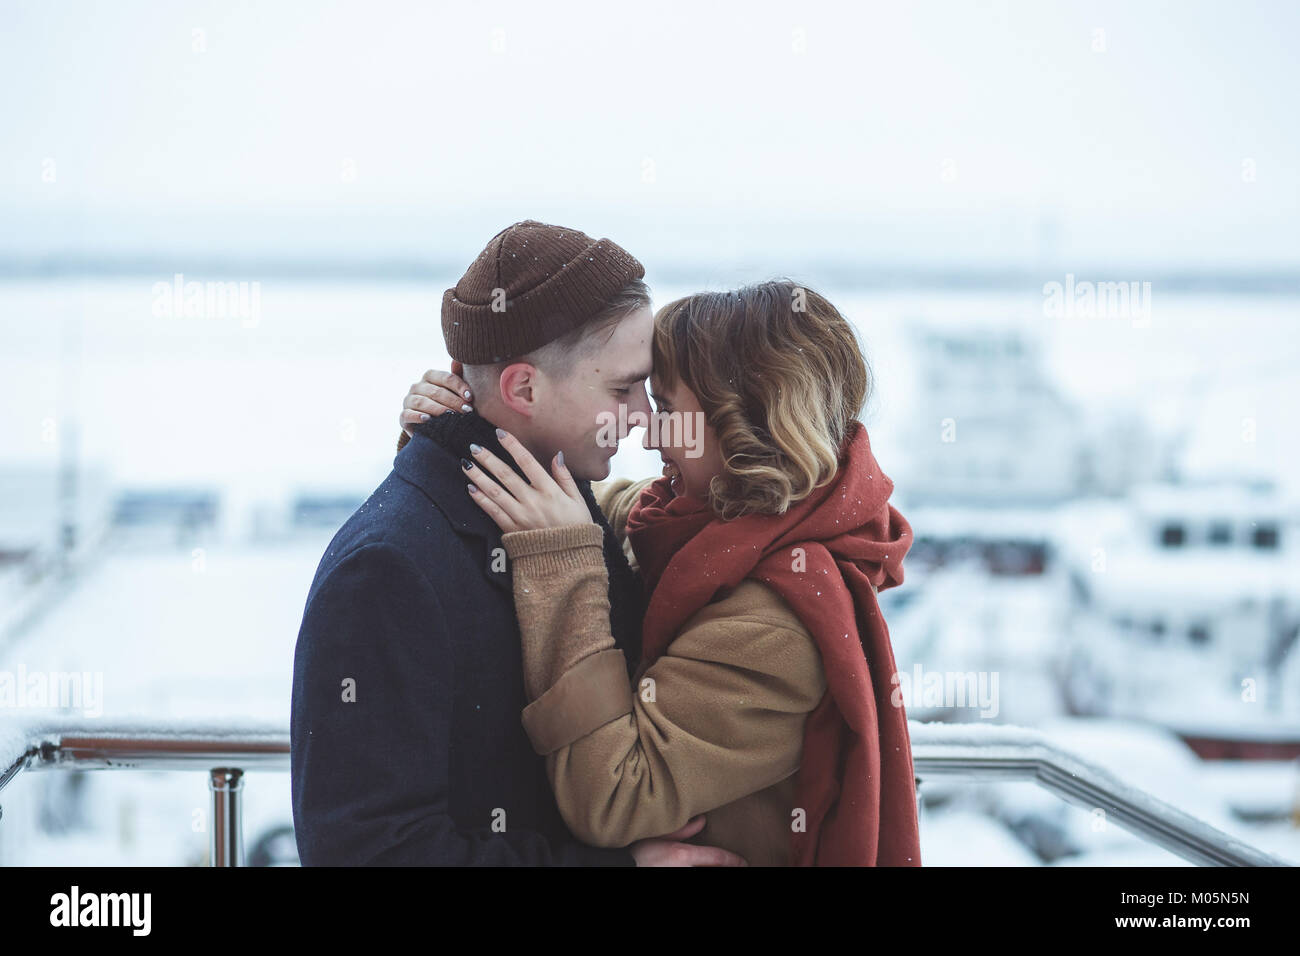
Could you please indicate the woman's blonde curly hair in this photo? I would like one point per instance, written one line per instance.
(780, 376)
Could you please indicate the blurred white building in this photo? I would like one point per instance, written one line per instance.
(990, 427)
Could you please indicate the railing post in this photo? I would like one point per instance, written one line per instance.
(920, 805)
(227, 845)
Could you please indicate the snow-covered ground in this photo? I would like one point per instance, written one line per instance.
(175, 634)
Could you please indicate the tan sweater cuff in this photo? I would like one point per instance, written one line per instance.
(561, 590)
(564, 548)
(585, 698)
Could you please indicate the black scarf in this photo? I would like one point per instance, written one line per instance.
(455, 430)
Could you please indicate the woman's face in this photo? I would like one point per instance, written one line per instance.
(684, 440)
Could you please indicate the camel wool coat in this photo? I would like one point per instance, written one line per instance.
(714, 726)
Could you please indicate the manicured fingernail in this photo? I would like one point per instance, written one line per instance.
(473, 490)
(501, 433)
(466, 464)
(560, 458)
(475, 449)
(467, 394)
(466, 408)
(424, 417)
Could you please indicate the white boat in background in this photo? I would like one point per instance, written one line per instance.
(1185, 613)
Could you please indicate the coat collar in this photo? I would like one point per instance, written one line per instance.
(431, 462)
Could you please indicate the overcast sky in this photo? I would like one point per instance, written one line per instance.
(949, 134)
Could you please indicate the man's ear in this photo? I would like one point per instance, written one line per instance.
(519, 388)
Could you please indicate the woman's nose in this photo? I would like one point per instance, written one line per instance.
(651, 439)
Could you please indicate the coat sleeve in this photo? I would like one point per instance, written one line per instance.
(719, 716)
(370, 779)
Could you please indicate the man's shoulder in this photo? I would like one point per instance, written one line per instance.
(396, 523)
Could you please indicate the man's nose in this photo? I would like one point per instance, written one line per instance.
(639, 402)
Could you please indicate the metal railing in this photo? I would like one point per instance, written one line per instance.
(991, 752)
(222, 754)
(969, 752)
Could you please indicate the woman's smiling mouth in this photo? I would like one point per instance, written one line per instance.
(674, 473)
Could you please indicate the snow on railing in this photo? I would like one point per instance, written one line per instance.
(223, 750)
(965, 751)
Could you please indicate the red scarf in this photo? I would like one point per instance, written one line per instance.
(856, 781)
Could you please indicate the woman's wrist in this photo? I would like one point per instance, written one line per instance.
(564, 547)
(561, 590)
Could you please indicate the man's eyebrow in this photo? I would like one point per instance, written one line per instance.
(633, 377)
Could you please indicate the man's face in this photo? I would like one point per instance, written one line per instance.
(579, 412)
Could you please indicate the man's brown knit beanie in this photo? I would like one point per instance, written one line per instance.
(532, 284)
